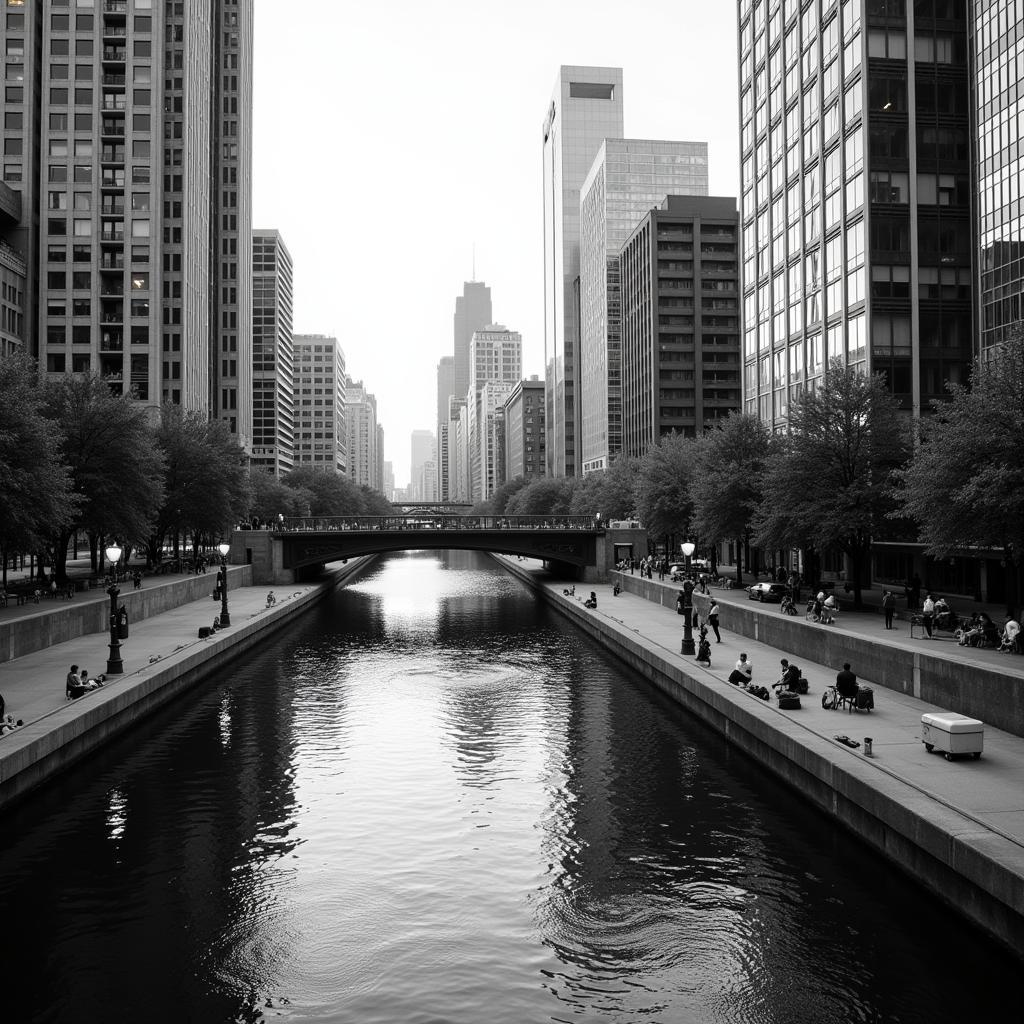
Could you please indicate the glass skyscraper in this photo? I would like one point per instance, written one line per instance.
(855, 177)
(585, 109)
(997, 38)
(629, 178)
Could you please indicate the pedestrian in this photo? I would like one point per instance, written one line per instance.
(713, 620)
(888, 607)
(928, 614)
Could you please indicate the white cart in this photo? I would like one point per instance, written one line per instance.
(952, 734)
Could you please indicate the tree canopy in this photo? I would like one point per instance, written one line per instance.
(964, 486)
(36, 499)
(117, 470)
(829, 482)
(663, 489)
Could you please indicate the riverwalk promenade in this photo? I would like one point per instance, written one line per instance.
(958, 827)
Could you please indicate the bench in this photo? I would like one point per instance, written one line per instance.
(917, 620)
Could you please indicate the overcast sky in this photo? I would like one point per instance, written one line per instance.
(391, 136)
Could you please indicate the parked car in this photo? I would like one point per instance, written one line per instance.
(767, 591)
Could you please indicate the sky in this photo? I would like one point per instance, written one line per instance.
(393, 138)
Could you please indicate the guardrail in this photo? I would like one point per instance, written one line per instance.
(320, 524)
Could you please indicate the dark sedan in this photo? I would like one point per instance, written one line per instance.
(767, 591)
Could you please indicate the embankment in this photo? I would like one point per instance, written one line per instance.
(47, 746)
(976, 871)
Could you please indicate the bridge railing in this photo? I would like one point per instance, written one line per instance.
(323, 524)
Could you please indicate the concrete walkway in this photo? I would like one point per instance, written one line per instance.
(989, 791)
(33, 685)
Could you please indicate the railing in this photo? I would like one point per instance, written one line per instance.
(321, 524)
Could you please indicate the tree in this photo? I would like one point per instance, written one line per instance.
(829, 483)
(547, 496)
(331, 493)
(269, 497)
(964, 486)
(501, 497)
(663, 488)
(611, 492)
(36, 499)
(206, 487)
(116, 467)
(726, 487)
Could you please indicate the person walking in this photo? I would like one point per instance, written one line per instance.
(889, 607)
(928, 614)
(713, 620)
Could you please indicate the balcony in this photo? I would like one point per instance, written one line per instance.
(115, 101)
(115, 6)
(113, 30)
(111, 342)
(114, 54)
(112, 155)
(113, 209)
(111, 262)
(112, 129)
(113, 81)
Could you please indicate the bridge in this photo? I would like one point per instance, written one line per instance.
(573, 547)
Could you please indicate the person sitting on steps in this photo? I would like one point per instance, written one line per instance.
(591, 602)
(743, 673)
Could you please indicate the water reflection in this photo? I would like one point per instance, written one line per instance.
(430, 801)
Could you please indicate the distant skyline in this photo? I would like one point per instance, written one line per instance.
(391, 140)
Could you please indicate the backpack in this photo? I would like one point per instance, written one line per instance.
(759, 691)
(788, 701)
(865, 699)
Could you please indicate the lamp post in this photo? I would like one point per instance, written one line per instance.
(687, 647)
(224, 548)
(114, 663)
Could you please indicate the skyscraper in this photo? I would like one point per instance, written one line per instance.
(998, 109)
(272, 354)
(855, 173)
(585, 109)
(680, 320)
(116, 118)
(445, 390)
(421, 451)
(364, 463)
(319, 389)
(628, 178)
(472, 312)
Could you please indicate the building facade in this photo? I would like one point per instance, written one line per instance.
(680, 320)
(422, 447)
(320, 436)
(997, 52)
(109, 138)
(627, 179)
(445, 389)
(273, 358)
(496, 358)
(585, 109)
(525, 437)
(364, 463)
(855, 176)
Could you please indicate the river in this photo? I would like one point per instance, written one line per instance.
(432, 800)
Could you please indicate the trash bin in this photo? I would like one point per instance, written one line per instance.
(122, 623)
(951, 734)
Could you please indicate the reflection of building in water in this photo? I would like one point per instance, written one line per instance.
(998, 109)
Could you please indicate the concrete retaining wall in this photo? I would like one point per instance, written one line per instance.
(42, 749)
(980, 691)
(89, 612)
(975, 871)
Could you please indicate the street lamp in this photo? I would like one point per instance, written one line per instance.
(687, 647)
(224, 548)
(114, 663)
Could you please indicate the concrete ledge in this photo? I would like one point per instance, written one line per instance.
(57, 622)
(43, 748)
(977, 872)
(997, 698)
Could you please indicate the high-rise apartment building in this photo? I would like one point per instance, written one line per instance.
(114, 115)
(319, 402)
(585, 109)
(445, 389)
(524, 430)
(12, 276)
(997, 52)
(680, 320)
(454, 452)
(273, 362)
(496, 357)
(627, 179)
(231, 194)
(487, 439)
(855, 172)
(364, 463)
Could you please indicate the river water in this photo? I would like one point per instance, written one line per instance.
(433, 801)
